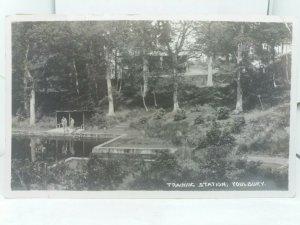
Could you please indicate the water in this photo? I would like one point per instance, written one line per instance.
(51, 149)
(63, 163)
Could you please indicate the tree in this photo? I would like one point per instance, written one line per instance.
(207, 41)
(239, 93)
(174, 38)
(143, 41)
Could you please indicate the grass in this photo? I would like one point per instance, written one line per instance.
(45, 123)
(264, 132)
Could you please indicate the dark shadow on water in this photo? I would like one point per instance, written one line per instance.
(40, 164)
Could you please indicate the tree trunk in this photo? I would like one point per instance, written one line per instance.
(145, 75)
(32, 107)
(26, 106)
(209, 72)
(239, 92)
(175, 85)
(76, 76)
(287, 69)
(111, 110)
(154, 98)
(239, 100)
(33, 149)
(143, 98)
(175, 97)
(25, 81)
(144, 89)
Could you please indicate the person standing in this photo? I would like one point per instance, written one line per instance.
(64, 122)
(72, 122)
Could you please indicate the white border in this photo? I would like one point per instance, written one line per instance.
(149, 194)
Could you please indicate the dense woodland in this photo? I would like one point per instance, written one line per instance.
(136, 72)
(75, 65)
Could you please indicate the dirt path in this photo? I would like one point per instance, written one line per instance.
(268, 159)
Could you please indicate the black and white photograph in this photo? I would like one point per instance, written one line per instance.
(150, 105)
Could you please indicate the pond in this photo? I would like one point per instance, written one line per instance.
(51, 149)
(65, 163)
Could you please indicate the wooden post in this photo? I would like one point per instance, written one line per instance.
(83, 149)
(69, 119)
(83, 120)
(56, 151)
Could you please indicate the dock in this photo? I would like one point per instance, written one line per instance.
(108, 148)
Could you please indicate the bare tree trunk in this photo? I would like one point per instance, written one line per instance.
(209, 72)
(154, 98)
(239, 92)
(175, 97)
(175, 85)
(33, 149)
(76, 76)
(120, 86)
(287, 68)
(274, 81)
(239, 100)
(29, 84)
(143, 98)
(25, 81)
(32, 107)
(144, 89)
(111, 110)
(260, 101)
(145, 75)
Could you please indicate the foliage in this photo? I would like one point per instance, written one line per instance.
(139, 124)
(165, 168)
(159, 113)
(174, 132)
(238, 123)
(199, 120)
(223, 113)
(216, 136)
(179, 115)
(104, 174)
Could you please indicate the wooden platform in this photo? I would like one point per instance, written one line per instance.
(64, 131)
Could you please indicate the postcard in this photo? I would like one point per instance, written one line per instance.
(150, 107)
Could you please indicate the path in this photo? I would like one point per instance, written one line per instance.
(269, 160)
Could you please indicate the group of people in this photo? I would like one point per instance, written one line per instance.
(64, 123)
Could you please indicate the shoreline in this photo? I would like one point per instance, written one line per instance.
(46, 133)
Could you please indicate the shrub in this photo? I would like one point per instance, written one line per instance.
(199, 120)
(174, 132)
(218, 137)
(98, 169)
(197, 108)
(46, 122)
(153, 128)
(242, 148)
(159, 114)
(139, 124)
(238, 124)
(222, 113)
(21, 114)
(179, 115)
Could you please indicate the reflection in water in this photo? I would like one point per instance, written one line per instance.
(66, 164)
(51, 149)
(39, 161)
